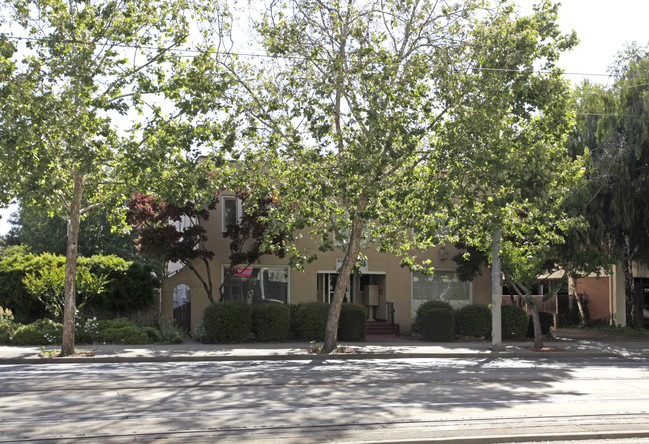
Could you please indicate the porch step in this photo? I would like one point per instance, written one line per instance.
(381, 328)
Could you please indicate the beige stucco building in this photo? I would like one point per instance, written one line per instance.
(382, 284)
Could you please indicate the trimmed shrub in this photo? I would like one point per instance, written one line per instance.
(126, 335)
(40, 332)
(429, 305)
(438, 325)
(547, 322)
(294, 330)
(271, 322)
(311, 321)
(514, 322)
(473, 320)
(353, 322)
(228, 322)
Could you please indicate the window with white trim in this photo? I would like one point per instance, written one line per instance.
(257, 284)
(441, 285)
(231, 212)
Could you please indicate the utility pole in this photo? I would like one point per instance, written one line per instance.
(496, 295)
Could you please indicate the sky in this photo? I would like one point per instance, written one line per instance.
(603, 27)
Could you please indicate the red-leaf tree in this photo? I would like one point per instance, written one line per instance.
(176, 233)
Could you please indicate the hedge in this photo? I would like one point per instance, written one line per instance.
(228, 322)
(514, 322)
(547, 322)
(271, 322)
(311, 321)
(438, 324)
(473, 320)
(353, 322)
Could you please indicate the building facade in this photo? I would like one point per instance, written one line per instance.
(386, 288)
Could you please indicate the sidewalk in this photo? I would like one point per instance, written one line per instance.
(567, 345)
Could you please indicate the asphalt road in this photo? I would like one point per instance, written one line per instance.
(400, 400)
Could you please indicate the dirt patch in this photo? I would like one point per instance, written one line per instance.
(546, 349)
(77, 354)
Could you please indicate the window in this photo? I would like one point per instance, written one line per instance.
(231, 212)
(255, 285)
(442, 286)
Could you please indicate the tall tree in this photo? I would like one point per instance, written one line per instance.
(43, 234)
(96, 97)
(613, 132)
(506, 157)
(363, 108)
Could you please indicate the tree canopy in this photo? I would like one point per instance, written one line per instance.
(372, 119)
(613, 133)
(96, 100)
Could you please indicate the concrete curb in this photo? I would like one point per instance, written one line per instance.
(507, 354)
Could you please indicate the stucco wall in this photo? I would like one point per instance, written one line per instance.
(397, 281)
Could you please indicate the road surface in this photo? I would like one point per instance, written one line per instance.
(400, 400)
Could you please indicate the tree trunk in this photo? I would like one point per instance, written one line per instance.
(69, 305)
(633, 319)
(351, 256)
(580, 306)
(536, 322)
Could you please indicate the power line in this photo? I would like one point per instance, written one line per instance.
(267, 56)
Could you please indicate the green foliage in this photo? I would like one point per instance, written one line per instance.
(612, 133)
(514, 322)
(48, 287)
(311, 321)
(425, 308)
(353, 321)
(168, 333)
(547, 322)
(7, 325)
(126, 335)
(228, 322)
(438, 325)
(40, 332)
(198, 333)
(34, 229)
(125, 286)
(13, 294)
(271, 322)
(473, 320)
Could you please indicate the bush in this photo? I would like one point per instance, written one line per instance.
(228, 322)
(547, 322)
(311, 321)
(294, 332)
(126, 335)
(40, 332)
(425, 307)
(152, 333)
(514, 322)
(473, 320)
(7, 325)
(169, 333)
(352, 325)
(198, 332)
(131, 285)
(438, 324)
(271, 322)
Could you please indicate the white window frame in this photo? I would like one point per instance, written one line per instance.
(239, 211)
(413, 309)
(286, 268)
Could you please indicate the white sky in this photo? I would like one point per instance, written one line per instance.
(603, 27)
